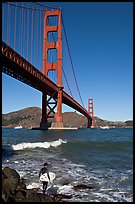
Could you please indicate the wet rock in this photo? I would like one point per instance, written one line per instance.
(66, 182)
(10, 180)
(21, 184)
(3, 176)
(19, 197)
(14, 190)
(9, 185)
(32, 196)
(52, 190)
(82, 187)
(59, 197)
(8, 172)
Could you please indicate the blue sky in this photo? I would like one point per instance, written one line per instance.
(100, 37)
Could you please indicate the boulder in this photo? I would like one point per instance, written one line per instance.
(14, 190)
(8, 172)
(59, 197)
(82, 187)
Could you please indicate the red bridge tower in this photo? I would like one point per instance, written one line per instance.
(57, 66)
(91, 111)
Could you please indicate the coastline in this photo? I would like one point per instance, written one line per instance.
(14, 189)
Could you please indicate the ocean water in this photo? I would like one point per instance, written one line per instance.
(100, 158)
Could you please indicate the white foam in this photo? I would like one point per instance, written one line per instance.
(22, 173)
(101, 195)
(57, 143)
(65, 189)
(34, 185)
(29, 145)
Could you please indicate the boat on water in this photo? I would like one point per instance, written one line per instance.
(18, 127)
(104, 127)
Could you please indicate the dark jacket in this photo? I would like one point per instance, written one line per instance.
(43, 171)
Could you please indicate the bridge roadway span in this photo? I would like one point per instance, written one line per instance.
(16, 66)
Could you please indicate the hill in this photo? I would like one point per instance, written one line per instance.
(31, 116)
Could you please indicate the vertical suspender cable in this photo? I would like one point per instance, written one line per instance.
(15, 30)
(8, 24)
(67, 82)
(40, 37)
(48, 22)
(27, 24)
(36, 31)
(37, 54)
(24, 34)
(33, 44)
(21, 30)
(72, 63)
(18, 28)
(31, 35)
(3, 23)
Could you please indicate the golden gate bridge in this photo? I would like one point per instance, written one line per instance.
(32, 43)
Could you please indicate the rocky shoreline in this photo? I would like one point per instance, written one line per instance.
(14, 190)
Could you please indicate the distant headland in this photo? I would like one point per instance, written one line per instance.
(30, 118)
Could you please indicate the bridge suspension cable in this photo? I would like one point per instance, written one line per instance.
(31, 46)
(45, 5)
(62, 66)
(24, 7)
(54, 41)
(72, 62)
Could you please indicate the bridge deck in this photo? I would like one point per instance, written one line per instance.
(17, 67)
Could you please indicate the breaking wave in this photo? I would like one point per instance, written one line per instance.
(29, 145)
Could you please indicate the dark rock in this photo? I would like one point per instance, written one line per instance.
(8, 172)
(19, 197)
(14, 190)
(32, 195)
(82, 186)
(59, 197)
(66, 182)
(9, 185)
(21, 184)
(46, 198)
(10, 180)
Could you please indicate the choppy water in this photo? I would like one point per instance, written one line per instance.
(96, 157)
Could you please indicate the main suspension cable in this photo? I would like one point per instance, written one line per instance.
(45, 5)
(72, 62)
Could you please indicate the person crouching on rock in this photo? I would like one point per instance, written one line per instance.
(44, 170)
